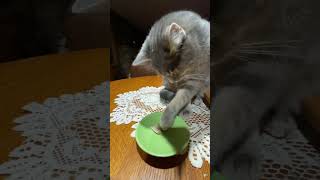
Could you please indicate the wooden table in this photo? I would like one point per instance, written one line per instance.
(125, 162)
(38, 78)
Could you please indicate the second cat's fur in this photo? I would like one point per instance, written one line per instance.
(264, 59)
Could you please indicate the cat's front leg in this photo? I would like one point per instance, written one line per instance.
(244, 162)
(182, 98)
(166, 95)
(236, 113)
(282, 125)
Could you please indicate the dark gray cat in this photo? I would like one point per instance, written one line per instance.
(178, 46)
(265, 58)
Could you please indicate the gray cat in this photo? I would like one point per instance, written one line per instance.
(178, 47)
(262, 61)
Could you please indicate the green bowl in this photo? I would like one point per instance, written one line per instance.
(171, 142)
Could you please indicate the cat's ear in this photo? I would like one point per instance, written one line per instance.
(141, 59)
(176, 35)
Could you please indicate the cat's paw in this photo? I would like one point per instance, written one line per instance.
(242, 167)
(167, 119)
(276, 131)
(166, 96)
(280, 128)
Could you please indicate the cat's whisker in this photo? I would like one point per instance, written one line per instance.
(267, 53)
(270, 43)
(185, 71)
(195, 76)
(192, 78)
(198, 74)
(244, 58)
(266, 46)
(198, 77)
(257, 51)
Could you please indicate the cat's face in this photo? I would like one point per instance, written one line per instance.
(164, 48)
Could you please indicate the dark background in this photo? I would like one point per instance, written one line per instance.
(33, 27)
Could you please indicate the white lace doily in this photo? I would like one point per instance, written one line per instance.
(65, 138)
(134, 105)
(292, 157)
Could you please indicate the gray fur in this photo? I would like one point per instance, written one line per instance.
(181, 56)
(252, 80)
